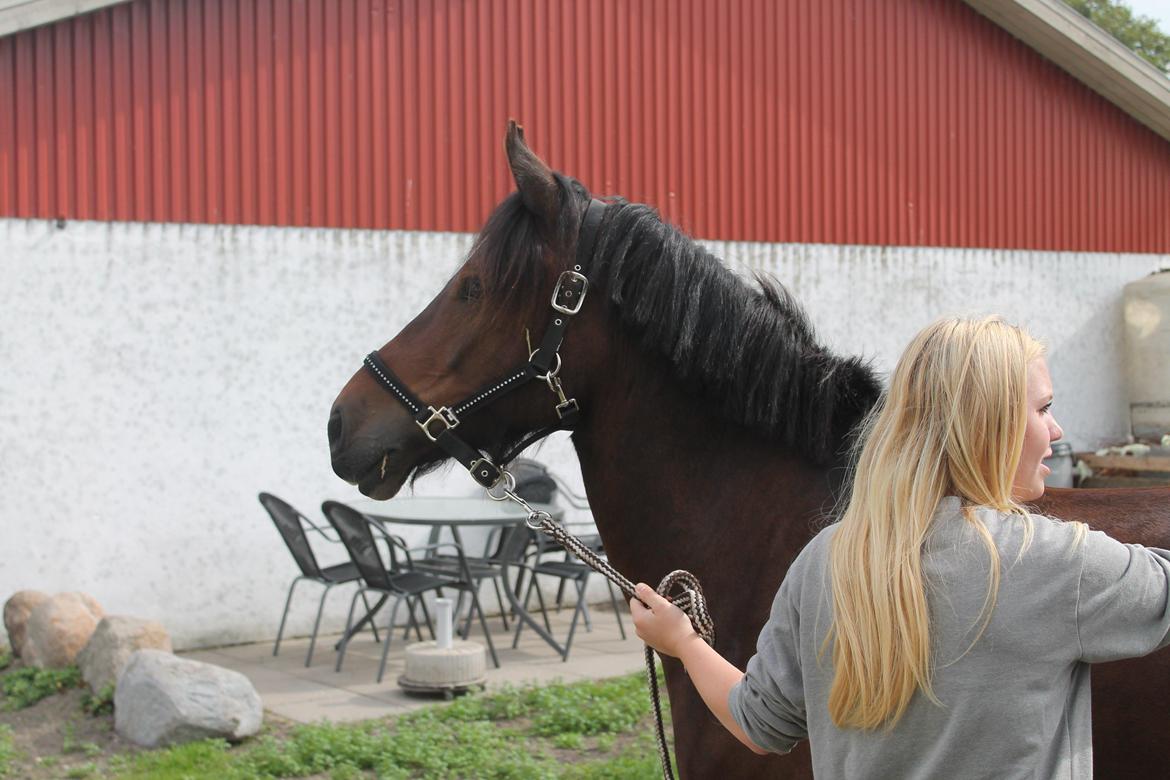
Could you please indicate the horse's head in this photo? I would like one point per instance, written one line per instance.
(475, 333)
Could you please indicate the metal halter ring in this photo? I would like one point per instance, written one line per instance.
(539, 516)
(556, 369)
(509, 484)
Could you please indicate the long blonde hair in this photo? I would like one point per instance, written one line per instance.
(951, 423)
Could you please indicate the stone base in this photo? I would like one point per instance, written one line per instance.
(430, 668)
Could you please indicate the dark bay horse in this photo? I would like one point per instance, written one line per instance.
(712, 436)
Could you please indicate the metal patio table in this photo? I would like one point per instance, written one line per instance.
(455, 513)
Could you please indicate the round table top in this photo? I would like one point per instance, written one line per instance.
(439, 510)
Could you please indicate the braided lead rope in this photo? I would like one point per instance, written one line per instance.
(690, 600)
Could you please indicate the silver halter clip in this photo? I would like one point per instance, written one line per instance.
(536, 517)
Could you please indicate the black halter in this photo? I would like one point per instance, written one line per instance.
(544, 363)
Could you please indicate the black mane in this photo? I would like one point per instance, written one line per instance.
(750, 351)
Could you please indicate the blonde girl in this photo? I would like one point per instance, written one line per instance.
(939, 629)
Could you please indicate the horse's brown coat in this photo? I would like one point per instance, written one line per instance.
(673, 485)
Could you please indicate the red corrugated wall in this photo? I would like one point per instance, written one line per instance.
(905, 122)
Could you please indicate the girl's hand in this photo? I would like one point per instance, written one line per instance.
(663, 626)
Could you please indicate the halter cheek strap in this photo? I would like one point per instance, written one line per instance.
(544, 363)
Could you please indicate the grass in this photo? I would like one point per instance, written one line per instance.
(5, 658)
(7, 751)
(27, 685)
(580, 731)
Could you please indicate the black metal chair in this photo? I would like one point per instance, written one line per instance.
(295, 528)
(485, 567)
(534, 482)
(390, 576)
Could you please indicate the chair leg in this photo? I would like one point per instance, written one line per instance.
(411, 622)
(588, 617)
(560, 595)
(389, 634)
(576, 614)
(373, 627)
(455, 613)
(616, 610)
(466, 631)
(519, 621)
(500, 601)
(348, 625)
(426, 614)
(543, 608)
(477, 608)
(284, 615)
(317, 625)
(414, 620)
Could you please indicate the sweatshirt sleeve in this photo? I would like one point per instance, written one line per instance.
(768, 703)
(1123, 599)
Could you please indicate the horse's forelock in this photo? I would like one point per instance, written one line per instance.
(510, 250)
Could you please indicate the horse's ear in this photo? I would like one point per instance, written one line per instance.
(534, 179)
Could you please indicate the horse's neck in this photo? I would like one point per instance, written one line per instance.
(673, 486)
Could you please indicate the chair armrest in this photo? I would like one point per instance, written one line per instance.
(437, 546)
(393, 540)
(323, 531)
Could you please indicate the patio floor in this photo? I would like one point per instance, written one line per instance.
(307, 695)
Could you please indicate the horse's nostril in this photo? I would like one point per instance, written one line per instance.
(336, 427)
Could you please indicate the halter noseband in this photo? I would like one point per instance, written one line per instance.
(544, 363)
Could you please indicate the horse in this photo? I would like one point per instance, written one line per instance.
(713, 431)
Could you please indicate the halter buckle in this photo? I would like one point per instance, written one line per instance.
(568, 299)
(442, 415)
(486, 473)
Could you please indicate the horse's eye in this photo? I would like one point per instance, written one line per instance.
(470, 289)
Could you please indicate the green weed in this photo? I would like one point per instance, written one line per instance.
(505, 735)
(26, 686)
(100, 703)
(7, 751)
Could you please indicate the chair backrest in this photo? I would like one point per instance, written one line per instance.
(358, 538)
(288, 522)
(533, 482)
(514, 541)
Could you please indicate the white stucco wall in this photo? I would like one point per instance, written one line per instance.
(154, 378)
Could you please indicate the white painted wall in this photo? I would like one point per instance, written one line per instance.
(154, 378)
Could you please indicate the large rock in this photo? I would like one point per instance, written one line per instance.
(114, 640)
(59, 627)
(16, 612)
(165, 700)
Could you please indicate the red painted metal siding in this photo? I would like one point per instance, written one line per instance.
(906, 122)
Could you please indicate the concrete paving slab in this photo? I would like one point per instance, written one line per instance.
(306, 695)
(340, 706)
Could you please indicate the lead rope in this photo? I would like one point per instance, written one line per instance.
(690, 598)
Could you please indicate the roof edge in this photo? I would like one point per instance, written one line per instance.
(17, 15)
(1089, 54)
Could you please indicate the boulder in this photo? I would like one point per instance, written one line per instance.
(16, 612)
(162, 699)
(59, 627)
(113, 642)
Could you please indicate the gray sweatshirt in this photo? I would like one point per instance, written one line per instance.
(1016, 704)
